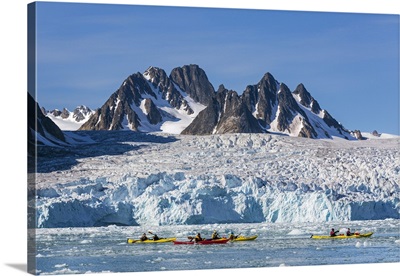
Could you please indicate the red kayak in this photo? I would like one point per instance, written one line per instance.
(219, 241)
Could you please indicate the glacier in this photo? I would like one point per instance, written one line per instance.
(131, 178)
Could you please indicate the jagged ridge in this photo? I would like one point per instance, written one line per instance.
(186, 102)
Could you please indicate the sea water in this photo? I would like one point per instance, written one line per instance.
(104, 249)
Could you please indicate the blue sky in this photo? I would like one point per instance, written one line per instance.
(348, 62)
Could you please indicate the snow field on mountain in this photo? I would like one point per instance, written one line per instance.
(231, 178)
(183, 119)
(65, 124)
(74, 120)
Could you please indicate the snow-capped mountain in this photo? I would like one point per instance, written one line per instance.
(67, 120)
(268, 106)
(159, 179)
(186, 102)
(151, 102)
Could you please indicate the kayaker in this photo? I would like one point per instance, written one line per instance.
(348, 233)
(333, 232)
(144, 237)
(198, 237)
(215, 235)
(155, 237)
(232, 236)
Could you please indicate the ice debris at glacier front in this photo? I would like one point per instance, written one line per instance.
(231, 178)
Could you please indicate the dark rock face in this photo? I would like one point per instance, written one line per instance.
(288, 110)
(306, 99)
(193, 80)
(226, 114)
(205, 121)
(235, 117)
(267, 97)
(43, 110)
(331, 122)
(56, 112)
(81, 112)
(262, 98)
(250, 98)
(375, 133)
(64, 113)
(153, 114)
(160, 80)
(38, 123)
(358, 135)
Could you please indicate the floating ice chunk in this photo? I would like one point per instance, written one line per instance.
(159, 259)
(65, 271)
(296, 232)
(358, 244)
(86, 241)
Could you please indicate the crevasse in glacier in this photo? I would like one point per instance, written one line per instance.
(236, 178)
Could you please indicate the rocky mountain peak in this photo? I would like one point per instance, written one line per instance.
(268, 81)
(194, 81)
(156, 75)
(221, 89)
(81, 113)
(305, 99)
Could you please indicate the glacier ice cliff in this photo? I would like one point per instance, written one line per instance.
(237, 178)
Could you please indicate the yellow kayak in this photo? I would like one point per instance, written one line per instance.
(161, 240)
(243, 238)
(342, 236)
